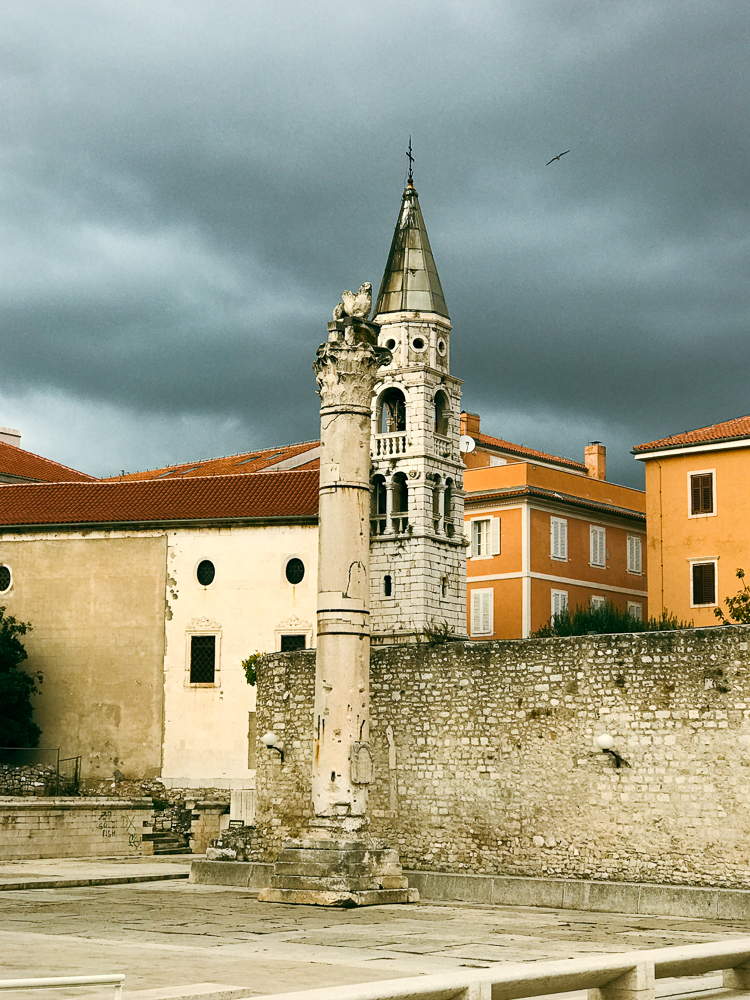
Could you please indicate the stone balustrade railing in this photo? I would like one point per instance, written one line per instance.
(627, 976)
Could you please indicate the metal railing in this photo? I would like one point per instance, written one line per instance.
(64, 982)
(627, 976)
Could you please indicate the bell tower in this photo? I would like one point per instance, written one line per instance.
(417, 548)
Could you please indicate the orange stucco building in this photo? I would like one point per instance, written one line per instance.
(698, 511)
(546, 533)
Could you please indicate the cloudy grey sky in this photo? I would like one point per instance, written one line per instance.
(188, 185)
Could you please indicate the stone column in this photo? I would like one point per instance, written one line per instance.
(337, 863)
(346, 369)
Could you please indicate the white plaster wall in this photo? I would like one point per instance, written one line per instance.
(250, 603)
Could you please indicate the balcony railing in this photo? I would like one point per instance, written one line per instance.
(390, 444)
(443, 446)
(399, 522)
(378, 524)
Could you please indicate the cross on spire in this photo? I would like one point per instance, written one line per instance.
(410, 158)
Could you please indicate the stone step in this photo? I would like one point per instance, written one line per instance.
(326, 883)
(168, 842)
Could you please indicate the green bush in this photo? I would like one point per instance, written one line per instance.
(605, 620)
(739, 605)
(16, 687)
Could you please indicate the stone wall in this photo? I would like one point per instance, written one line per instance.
(73, 828)
(485, 760)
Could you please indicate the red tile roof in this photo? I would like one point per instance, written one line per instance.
(282, 495)
(243, 464)
(519, 449)
(539, 492)
(729, 430)
(15, 461)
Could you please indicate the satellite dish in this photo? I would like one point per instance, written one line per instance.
(466, 444)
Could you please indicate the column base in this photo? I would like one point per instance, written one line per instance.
(319, 870)
(346, 900)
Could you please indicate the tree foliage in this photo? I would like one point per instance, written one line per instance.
(605, 619)
(250, 666)
(17, 729)
(739, 605)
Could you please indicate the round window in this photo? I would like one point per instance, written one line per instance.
(441, 348)
(4, 579)
(206, 572)
(295, 571)
(418, 344)
(391, 344)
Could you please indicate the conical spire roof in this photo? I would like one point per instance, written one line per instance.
(411, 282)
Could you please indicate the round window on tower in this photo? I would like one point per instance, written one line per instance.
(418, 344)
(441, 348)
(205, 572)
(5, 579)
(295, 571)
(390, 344)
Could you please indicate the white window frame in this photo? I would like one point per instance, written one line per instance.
(492, 537)
(561, 552)
(597, 546)
(704, 562)
(203, 626)
(483, 627)
(597, 601)
(636, 610)
(701, 472)
(632, 564)
(564, 602)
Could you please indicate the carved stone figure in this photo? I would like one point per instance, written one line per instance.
(355, 305)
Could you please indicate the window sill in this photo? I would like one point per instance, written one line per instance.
(712, 513)
(202, 684)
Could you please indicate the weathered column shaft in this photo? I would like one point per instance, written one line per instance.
(346, 369)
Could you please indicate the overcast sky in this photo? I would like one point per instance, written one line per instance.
(188, 186)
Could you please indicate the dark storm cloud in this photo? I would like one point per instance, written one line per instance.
(187, 187)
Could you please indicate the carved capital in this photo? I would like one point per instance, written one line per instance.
(347, 372)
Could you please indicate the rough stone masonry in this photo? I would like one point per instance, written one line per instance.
(485, 761)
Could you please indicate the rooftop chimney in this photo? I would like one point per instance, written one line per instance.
(596, 460)
(469, 423)
(10, 436)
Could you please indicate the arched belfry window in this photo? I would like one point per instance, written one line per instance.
(442, 413)
(391, 412)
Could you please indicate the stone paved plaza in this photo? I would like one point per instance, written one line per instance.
(175, 939)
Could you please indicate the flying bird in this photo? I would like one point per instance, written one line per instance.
(556, 157)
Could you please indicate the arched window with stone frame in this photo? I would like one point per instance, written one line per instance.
(442, 413)
(448, 525)
(400, 517)
(378, 505)
(437, 498)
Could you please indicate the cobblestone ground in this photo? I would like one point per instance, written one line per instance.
(173, 939)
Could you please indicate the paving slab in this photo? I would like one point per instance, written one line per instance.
(174, 940)
(50, 873)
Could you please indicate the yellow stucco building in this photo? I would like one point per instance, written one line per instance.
(697, 514)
